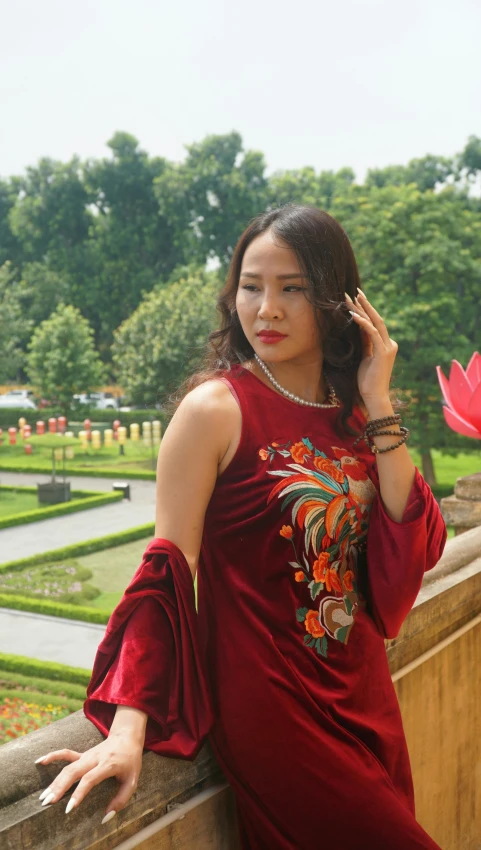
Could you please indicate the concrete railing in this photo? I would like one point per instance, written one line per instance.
(435, 663)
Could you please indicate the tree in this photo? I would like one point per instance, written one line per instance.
(163, 339)
(211, 197)
(304, 186)
(131, 244)
(419, 260)
(51, 218)
(15, 327)
(62, 359)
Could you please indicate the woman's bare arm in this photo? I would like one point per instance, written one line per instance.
(196, 440)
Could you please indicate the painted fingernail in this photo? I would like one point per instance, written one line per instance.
(352, 313)
(360, 290)
(40, 759)
(44, 793)
(71, 803)
(348, 296)
(108, 817)
(48, 799)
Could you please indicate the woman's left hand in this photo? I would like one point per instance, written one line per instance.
(378, 348)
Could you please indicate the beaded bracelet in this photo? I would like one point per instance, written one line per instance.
(371, 431)
(405, 433)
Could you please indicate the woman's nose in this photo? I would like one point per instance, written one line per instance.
(269, 308)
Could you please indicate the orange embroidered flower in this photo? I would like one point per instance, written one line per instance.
(347, 579)
(263, 454)
(332, 581)
(274, 444)
(299, 575)
(313, 625)
(327, 466)
(319, 566)
(286, 531)
(298, 450)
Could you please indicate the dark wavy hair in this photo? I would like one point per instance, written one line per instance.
(325, 254)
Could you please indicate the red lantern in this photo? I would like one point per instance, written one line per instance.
(52, 425)
(40, 427)
(12, 436)
(28, 449)
(27, 431)
(62, 423)
(116, 426)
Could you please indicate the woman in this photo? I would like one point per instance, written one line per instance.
(311, 530)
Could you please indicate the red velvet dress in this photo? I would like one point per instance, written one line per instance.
(301, 576)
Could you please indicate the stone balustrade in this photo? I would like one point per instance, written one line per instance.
(434, 661)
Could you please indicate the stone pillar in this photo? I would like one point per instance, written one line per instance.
(463, 508)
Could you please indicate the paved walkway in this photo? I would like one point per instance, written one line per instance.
(21, 541)
(52, 638)
(49, 638)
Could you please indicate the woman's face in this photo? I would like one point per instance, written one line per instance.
(265, 301)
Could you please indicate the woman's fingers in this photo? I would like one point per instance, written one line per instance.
(88, 781)
(68, 776)
(58, 755)
(127, 788)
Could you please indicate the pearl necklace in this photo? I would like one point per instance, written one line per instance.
(333, 399)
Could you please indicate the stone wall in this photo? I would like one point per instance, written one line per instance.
(435, 663)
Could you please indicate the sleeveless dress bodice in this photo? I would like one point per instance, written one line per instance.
(293, 637)
(301, 576)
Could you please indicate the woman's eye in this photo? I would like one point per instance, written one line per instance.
(250, 287)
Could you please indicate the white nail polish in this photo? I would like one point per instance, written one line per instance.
(44, 793)
(48, 799)
(40, 759)
(71, 803)
(108, 817)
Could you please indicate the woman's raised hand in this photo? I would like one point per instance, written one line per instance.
(119, 755)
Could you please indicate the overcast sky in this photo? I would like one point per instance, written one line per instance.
(307, 82)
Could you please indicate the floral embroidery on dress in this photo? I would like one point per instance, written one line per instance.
(332, 498)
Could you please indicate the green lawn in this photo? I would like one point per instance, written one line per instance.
(16, 502)
(137, 457)
(112, 570)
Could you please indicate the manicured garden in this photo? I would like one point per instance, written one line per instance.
(35, 693)
(20, 506)
(139, 461)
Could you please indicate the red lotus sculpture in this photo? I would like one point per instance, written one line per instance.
(462, 394)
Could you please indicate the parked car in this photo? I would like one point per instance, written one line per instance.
(98, 400)
(18, 398)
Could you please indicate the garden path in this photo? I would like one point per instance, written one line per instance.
(49, 638)
(22, 541)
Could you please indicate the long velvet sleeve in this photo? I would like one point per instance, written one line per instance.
(150, 657)
(399, 553)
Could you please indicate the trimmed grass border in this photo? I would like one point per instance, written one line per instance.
(44, 669)
(36, 683)
(62, 609)
(85, 472)
(86, 499)
(54, 609)
(86, 547)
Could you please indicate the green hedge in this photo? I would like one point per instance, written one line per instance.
(44, 669)
(46, 686)
(9, 416)
(85, 472)
(85, 502)
(54, 609)
(76, 550)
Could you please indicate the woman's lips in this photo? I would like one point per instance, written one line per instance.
(268, 338)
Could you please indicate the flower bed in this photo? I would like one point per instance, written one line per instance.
(18, 717)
